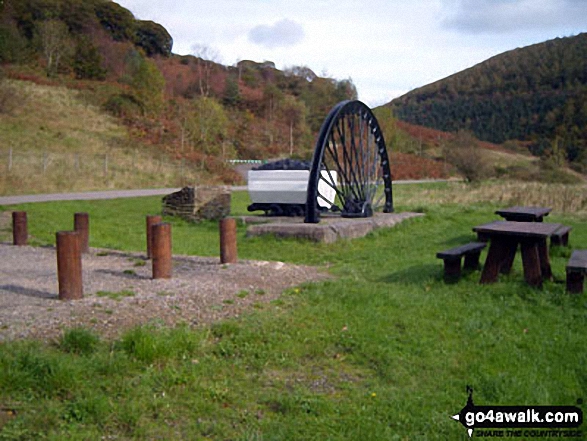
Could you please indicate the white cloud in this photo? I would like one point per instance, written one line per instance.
(283, 33)
(513, 16)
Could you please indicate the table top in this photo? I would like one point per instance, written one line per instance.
(520, 229)
(528, 211)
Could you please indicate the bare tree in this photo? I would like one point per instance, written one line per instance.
(55, 42)
(294, 112)
(206, 57)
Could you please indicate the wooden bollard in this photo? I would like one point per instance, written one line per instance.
(81, 224)
(162, 265)
(19, 228)
(228, 251)
(151, 220)
(69, 265)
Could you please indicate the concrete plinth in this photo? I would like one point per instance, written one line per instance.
(329, 230)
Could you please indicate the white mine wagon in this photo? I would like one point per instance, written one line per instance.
(280, 188)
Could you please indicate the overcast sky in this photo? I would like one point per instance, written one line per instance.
(387, 47)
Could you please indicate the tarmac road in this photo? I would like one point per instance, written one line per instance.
(116, 194)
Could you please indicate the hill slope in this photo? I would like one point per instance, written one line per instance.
(536, 94)
(54, 141)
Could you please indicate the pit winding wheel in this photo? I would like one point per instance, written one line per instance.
(351, 160)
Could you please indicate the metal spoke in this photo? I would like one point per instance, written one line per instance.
(351, 162)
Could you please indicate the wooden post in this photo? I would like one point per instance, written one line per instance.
(69, 265)
(228, 251)
(19, 228)
(574, 282)
(81, 224)
(151, 220)
(162, 265)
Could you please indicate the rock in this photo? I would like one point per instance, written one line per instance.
(198, 203)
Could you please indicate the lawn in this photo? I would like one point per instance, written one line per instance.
(384, 351)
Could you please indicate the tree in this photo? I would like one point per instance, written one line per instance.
(55, 42)
(147, 83)
(294, 112)
(206, 57)
(118, 21)
(12, 44)
(207, 125)
(272, 95)
(231, 92)
(87, 62)
(153, 38)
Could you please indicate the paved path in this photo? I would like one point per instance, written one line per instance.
(116, 194)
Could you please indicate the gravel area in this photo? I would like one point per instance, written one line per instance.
(119, 292)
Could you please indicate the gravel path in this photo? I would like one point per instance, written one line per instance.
(119, 292)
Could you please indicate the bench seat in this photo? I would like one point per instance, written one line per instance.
(576, 269)
(452, 259)
(560, 236)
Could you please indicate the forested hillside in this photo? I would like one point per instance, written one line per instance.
(537, 94)
(191, 106)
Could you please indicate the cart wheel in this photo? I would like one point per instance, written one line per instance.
(296, 210)
(350, 163)
(276, 210)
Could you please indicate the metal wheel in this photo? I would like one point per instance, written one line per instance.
(350, 167)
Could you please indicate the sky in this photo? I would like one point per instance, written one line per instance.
(386, 47)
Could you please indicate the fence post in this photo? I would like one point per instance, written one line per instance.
(151, 220)
(19, 228)
(228, 251)
(81, 224)
(162, 265)
(45, 161)
(69, 265)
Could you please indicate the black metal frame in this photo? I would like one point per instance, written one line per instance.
(351, 144)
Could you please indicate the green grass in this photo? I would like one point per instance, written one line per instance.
(382, 352)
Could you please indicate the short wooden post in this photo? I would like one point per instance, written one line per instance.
(19, 228)
(228, 251)
(162, 265)
(81, 224)
(69, 265)
(574, 282)
(472, 260)
(151, 220)
(452, 269)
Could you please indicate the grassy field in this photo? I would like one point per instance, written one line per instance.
(55, 141)
(382, 352)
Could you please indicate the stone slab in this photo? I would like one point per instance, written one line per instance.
(329, 230)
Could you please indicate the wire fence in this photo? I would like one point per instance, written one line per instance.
(107, 164)
(54, 171)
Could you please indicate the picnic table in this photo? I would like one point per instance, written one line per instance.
(524, 214)
(504, 237)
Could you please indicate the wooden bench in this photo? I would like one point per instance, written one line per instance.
(560, 236)
(452, 259)
(576, 269)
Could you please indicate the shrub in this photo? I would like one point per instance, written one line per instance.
(124, 106)
(467, 157)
